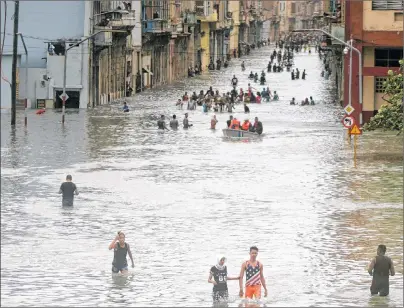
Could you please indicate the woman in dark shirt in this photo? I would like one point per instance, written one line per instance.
(218, 277)
(121, 249)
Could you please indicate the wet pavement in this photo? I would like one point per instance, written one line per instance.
(315, 209)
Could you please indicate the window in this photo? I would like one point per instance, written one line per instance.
(293, 8)
(387, 5)
(379, 84)
(388, 57)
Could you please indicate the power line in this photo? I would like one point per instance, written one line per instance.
(33, 37)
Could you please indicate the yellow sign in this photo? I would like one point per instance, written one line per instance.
(349, 109)
(355, 130)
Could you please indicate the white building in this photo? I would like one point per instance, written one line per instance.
(6, 66)
(46, 26)
(266, 29)
(137, 64)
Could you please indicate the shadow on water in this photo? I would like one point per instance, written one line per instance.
(379, 301)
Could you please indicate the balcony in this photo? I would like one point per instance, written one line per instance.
(156, 26)
(190, 18)
(103, 39)
(120, 21)
(228, 23)
(242, 17)
(179, 30)
(204, 16)
(339, 32)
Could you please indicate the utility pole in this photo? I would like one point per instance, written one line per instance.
(64, 85)
(14, 65)
(26, 78)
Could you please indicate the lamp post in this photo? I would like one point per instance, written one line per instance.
(65, 66)
(350, 73)
(350, 47)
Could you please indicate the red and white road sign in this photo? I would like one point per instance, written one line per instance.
(64, 96)
(348, 121)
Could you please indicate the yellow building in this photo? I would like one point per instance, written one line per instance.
(380, 39)
(207, 15)
(234, 9)
(182, 21)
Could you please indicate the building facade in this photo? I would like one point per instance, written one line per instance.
(182, 55)
(111, 51)
(273, 14)
(6, 69)
(376, 27)
(46, 53)
(234, 14)
(116, 49)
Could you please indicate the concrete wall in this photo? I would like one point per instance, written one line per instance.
(368, 93)
(368, 57)
(266, 28)
(43, 20)
(6, 65)
(36, 89)
(136, 40)
(380, 20)
(205, 45)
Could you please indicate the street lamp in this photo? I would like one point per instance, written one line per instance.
(348, 46)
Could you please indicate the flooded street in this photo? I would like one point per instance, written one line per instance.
(315, 213)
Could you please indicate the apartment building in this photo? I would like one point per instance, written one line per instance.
(376, 28)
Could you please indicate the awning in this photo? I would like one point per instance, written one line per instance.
(145, 70)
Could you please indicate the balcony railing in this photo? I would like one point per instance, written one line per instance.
(200, 11)
(190, 18)
(242, 17)
(155, 26)
(211, 17)
(125, 21)
(103, 39)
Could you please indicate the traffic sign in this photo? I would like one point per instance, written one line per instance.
(64, 94)
(348, 121)
(355, 130)
(349, 109)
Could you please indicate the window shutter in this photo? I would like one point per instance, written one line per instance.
(396, 5)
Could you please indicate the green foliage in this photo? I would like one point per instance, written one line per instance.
(390, 115)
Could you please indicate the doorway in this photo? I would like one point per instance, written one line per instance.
(72, 102)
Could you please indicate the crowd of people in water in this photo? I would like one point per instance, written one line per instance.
(212, 100)
(281, 59)
(380, 267)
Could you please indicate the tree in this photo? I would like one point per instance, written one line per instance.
(390, 115)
